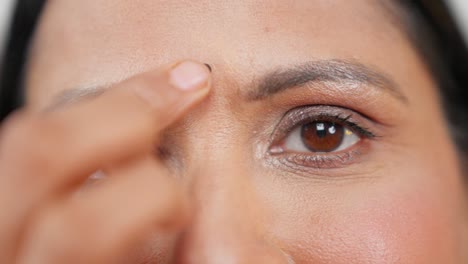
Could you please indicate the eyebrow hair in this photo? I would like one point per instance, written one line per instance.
(338, 71)
(279, 80)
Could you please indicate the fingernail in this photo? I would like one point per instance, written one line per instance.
(189, 75)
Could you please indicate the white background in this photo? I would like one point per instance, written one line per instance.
(460, 8)
(5, 14)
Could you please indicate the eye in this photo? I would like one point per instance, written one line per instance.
(320, 137)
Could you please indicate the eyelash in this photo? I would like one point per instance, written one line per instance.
(300, 116)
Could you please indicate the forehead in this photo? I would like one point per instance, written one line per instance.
(96, 42)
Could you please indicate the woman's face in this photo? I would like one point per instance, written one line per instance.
(323, 140)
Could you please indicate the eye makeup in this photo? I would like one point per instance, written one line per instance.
(326, 121)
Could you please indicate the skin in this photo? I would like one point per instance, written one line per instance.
(214, 192)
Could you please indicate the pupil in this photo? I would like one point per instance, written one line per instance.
(322, 136)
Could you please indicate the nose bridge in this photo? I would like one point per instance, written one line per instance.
(227, 224)
(223, 192)
(219, 177)
(226, 227)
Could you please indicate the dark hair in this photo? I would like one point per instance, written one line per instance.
(22, 27)
(435, 35)
(430, 28)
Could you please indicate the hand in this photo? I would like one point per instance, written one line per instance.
(45, 157)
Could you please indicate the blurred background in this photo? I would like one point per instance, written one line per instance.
(460, 9)
(5, 15)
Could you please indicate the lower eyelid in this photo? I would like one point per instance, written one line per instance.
(309, 162)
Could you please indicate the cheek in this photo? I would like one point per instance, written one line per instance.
(397, 227)
(408, 215)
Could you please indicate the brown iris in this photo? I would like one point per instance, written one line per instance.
(322, 136)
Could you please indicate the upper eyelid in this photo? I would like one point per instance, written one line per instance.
(303, 114)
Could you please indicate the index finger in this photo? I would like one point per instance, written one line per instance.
(118, 124)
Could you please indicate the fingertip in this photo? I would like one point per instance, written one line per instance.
(179, 86)
(190, 76)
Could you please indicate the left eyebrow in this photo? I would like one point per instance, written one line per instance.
(324, 71)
